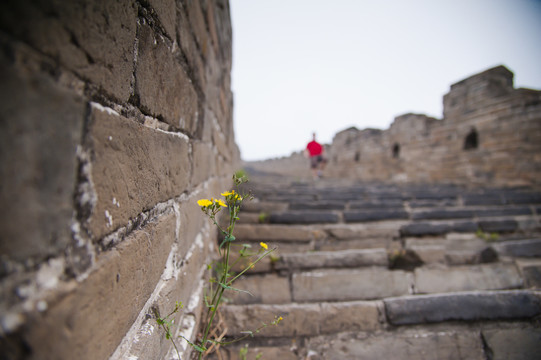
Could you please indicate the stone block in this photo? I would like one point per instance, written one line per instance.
(498, 226)
(133, 168)
(316, 205)
(40, 128)
(264, 206)
(262, 289)
(507, 211)
(163, 87)
(304, 319)
(166, 11)
(333, 259)
(92, 319)
(198, 25)
(409, 345)
(189, 48)
(514, 343)
(465, 306)
(531, 272)
(286, 233)
(304, 217)
(465, 278)
(82, 38)
(430, 254)
(523, 198)
(376, 204)
(483, 199)
(439, 214)
(346, 284)
(375, 215)
(432, 229)
(204, 162)
(264, 352)
(386, 230)
(520, 248)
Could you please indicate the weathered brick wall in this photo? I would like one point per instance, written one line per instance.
(115, 117)
(420, 149)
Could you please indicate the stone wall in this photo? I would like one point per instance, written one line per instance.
(490, 134)
(115, 117)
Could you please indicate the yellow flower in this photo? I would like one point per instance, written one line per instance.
(264, 246)
(204, 202)
(220, 202)
(232, 194)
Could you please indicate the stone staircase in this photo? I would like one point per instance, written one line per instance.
(389, 272)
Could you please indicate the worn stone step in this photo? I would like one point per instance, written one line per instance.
(531, 272)
(431, 203)
(350, 284)
(375, 215)
(465, 251)
(263, 206)
(309, 319)
(410, 344)
(502, 198)
(317, 205)
(437, 228)
(520, 248)
(304, 217)
(277, 232)
(463, 306)
(353, 258)
(464, 213)
(499, 225)
(500, 342)
(376, 204)
(494, 276)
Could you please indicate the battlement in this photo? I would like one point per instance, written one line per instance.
(475, 92)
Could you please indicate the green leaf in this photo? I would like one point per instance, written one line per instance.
(196, 347)
(227, 238)
(227, 287)
(251, 333)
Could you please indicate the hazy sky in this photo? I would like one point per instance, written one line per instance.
(301, 66)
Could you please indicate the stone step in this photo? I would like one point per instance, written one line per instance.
(468, 213)
(353, 216)
(501, 341)
(497, 225)
(520, 248)
(497, 342)
(309, 319)
(353, 258)
(305, 217)
(463, 306)
(313, 319)
(349, 284)
(375, 282)
(443, 279)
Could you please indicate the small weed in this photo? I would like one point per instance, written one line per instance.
(263, 217)
(222, 277)
(492, 237)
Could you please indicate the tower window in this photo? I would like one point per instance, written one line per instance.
(396, 150)
(471, 142)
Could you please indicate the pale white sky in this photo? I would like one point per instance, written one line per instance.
(301, 66)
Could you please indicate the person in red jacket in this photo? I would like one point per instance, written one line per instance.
(316, 152)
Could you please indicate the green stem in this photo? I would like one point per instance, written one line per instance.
(249, 267)
(217, 298)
